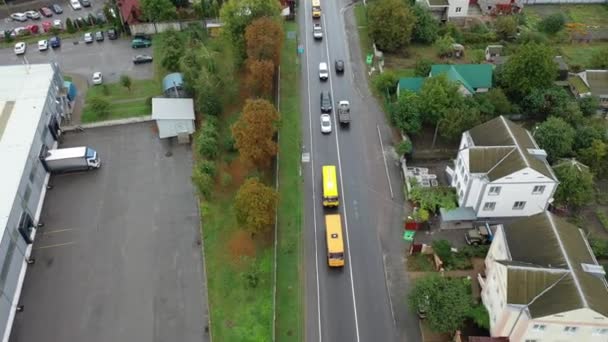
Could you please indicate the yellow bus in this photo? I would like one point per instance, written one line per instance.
(335, 242)
(316, 9)
(330, 186)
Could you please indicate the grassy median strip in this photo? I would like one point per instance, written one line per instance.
(361, 21)
(289, 315)
(123, 103)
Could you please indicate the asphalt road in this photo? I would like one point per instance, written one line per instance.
(8, 23)
(119, 256)
(112, 57)
(352, 304)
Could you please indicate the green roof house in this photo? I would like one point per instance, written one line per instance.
(473, 78)
(412, 84)
(591, 83)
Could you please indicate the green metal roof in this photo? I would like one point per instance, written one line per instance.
(412, 84)
(551, 279)
(471, 76)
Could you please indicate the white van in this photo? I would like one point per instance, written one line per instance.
(75, 4)
(323, 71)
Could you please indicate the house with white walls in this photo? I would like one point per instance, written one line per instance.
(543, 283)
(446, 10)
(501, 172)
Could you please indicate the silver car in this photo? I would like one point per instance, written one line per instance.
(325, 123)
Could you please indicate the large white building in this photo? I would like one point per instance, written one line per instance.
(543, 283)
(501, 172)
(32, 102)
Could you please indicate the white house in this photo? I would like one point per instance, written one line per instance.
(445, 10)
(173, 116)
(543, 283)
(501, 172)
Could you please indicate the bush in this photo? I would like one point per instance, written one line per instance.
(474, 251)
(601, 215)
(230, 144)
(203, 183)
(552, 24)
(478, 38)
(480, 316)
(385, 83)
(599, 247)
(443, 249)
(105, 89)
(404, 147)
(70, 26)
(206, 140)
(423, 67)
(208, 167)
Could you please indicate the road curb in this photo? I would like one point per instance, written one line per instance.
(108, 123)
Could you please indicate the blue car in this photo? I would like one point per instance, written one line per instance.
(55, 42)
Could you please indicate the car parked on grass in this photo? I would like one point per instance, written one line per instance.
(140, 43)
(75, 5)
(88, 37)
(56, 8)
(97, 78)
(99, 36)
(20, 48)
(45, 11)
(55, 42)
(32, 14)
(19, 17)
(112, 34)
(43, 45)
(325, 123)
(141, 59)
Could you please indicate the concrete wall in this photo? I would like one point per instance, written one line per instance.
(152, 28)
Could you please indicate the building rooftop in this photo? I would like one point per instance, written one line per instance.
(172, 109)
(471, 76)
(23, 94)
(500, 148)
(560, 277)
(438, 3)
(598, 82)
(412, 84)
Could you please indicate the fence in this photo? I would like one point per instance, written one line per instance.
(151, 28)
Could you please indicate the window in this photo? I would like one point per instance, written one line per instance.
(539, 327)
(489, 206)
(570, 330)
(519, 205)
(600, 331)
(494, 191)
(538, 189)
(458, 9)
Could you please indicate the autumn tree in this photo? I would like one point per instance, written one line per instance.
(254, 132)
(255, 205)
(260, 77)
(390, 24)
(530, 67)
(264, 40)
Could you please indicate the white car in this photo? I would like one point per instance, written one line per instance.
(325, 123)
(323, 71)
(58, 24)
(32, 14)
(75, 4)
(97, 78)
(19, 16)
(43, 45)
(317, 31)
(88, 37)
(20, 48)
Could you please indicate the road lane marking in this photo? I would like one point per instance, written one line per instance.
(388, 178)
(312, 171)
(57, 245)
(350, 262)
(56, 231)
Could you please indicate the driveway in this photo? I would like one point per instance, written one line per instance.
(7, 23)
(119, 257)
(112, 57)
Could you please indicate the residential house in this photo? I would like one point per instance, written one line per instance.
(129, 11)
(591, 83)
(493, 52)
(472, 78)
(543, 283)
(501, 172)
(445, 10)
(499, 7)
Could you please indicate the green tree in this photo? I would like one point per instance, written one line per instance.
(447, 301)
(125, 81)
(599, 59)
(208, 98)
(404, 147)
(385, 83)
(585, 134)
(99, 106)
(596, 157)
(69, 24)
(405, 113)
(255, 205)
(589, 104)
(423, 67)
(506, 27)
(444, 45)
(437, 95)
(172, 50)
(158, 10)
(530, 67)
(390, 24)
(432, 199)
(498, 102)
(575, 184)
(457, 120)
(236, 15)
(426, 29)
(552, 24)
(545, 102)
(556, 137)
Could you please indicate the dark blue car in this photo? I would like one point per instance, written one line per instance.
(55, 42)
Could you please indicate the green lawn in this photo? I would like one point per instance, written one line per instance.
(364, 40)
(289, 318)
(580, 54)
(589, 14)
(123, 103)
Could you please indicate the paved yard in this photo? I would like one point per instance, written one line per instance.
(119, 257)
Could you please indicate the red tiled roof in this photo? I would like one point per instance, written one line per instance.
(129, 9)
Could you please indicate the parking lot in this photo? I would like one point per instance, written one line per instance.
(119, 256)
(7, 23)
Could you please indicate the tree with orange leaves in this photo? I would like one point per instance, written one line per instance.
(254, 205)
(264, 39)
(254, 132)
(260, 77)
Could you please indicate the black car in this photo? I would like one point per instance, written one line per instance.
(339, 65)
(112, 34)
(99, 36)
(326, 103)
(100, 17)
(142, 36)
(141, 59)
(56, 8)
(85, 3)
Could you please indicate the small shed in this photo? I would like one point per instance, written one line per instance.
(173, 116)
(458, 218)
(173, 85)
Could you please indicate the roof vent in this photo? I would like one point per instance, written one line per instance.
(594, 269)
(538, 153)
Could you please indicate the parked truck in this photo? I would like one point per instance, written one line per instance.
(71, 159)
(480, 235)
(344, 112)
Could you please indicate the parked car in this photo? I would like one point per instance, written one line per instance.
(141, 59)
(339, 65)
(325, 123)
(43, 45)
(58, 24)
(56, 8)
(32, 14)
(100, 17)
(33, 28)
(326, 102)
(19, 17)
(85, 3)
(55, 42)
(20, 48)
(46, 26)
(19, 31)
(75, 5)
(112, 34)
(140, 43)
(45, 11)
(97, 78)
(323, 71)
(142, 36)
(88, 37)
(99, 36)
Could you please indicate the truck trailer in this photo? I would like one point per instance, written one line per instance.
(71, 159)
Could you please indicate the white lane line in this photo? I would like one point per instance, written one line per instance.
(388, 178)
(312, 168)
(57, 245)
(349, 260)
